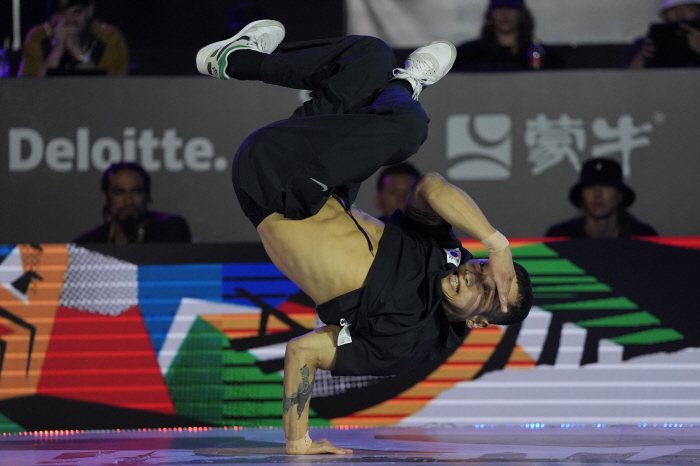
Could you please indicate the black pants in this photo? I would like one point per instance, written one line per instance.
(356, 122)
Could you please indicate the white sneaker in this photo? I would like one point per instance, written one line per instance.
(262, 36)
(427, 65)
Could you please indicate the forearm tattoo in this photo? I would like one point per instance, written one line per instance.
(427, 218)
(301, 396)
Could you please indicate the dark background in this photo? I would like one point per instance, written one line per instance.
(164, 35)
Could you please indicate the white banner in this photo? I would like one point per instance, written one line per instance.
(411, 23)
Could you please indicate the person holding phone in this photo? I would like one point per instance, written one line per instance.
(674, 42)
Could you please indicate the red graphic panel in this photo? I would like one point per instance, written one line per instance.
(691, 242)
(104, 359)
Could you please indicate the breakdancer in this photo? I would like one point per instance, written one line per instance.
(391, 294)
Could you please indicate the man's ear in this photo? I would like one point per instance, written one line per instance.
(477, 322)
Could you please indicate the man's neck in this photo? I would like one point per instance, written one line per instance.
(602, 227)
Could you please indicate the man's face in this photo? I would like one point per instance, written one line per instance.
(682, 13)
(470, 292)
(126, 196)
(600, 201)
(392, 196)
(505, 19)
(78, 16)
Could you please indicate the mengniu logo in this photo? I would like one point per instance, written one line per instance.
(484, 143)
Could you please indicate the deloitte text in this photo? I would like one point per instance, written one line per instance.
(28, 150)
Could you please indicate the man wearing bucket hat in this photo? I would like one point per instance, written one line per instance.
(73, 42)
(507, 42)
(646, 53)
(603, 197)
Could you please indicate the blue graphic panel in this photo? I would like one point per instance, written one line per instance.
(261, 287)
(5, 250)
(254, 270)
(263, 280)
(162, 287)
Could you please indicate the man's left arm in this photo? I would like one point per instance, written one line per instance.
(116, 57)
(433, 201)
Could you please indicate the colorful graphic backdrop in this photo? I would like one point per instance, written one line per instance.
(194, 335)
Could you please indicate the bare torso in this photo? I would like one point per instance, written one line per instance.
(325, 255)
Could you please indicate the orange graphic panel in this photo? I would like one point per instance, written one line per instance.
(27, 316)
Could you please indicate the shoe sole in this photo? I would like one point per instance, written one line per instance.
(207, 50)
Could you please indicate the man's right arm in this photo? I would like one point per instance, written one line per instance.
(33, 61)
(305, 354)
(433, 200)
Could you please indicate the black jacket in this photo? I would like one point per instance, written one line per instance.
(158, 227)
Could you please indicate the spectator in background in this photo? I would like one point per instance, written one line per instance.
(393, 185)
(4, 64)
(507, 42)
(126, 192)
(73, 42)
(6, 30)
(673, 43)
(239, 16)
(603, 198)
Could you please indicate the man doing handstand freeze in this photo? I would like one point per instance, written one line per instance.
(391, 295)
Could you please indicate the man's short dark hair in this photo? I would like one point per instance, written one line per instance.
(518, 311)
(127, 166)
(403, 168)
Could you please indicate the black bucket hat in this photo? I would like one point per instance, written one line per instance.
(606, 172)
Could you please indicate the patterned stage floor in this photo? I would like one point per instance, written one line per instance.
(498, 445)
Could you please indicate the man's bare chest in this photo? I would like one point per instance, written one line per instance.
(327, 255)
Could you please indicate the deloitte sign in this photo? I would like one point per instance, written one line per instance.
(27, 150)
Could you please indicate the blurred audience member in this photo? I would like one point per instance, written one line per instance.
(507, 42)
(675, 42)
(603, 198)
(393, 185)
(126, 192)
(4, 64)
(73, 42)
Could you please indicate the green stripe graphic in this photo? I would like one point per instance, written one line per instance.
(605, 303)
(649, 337)
(577, 287)
(557, 279)
(634, 319)
(551, 267)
